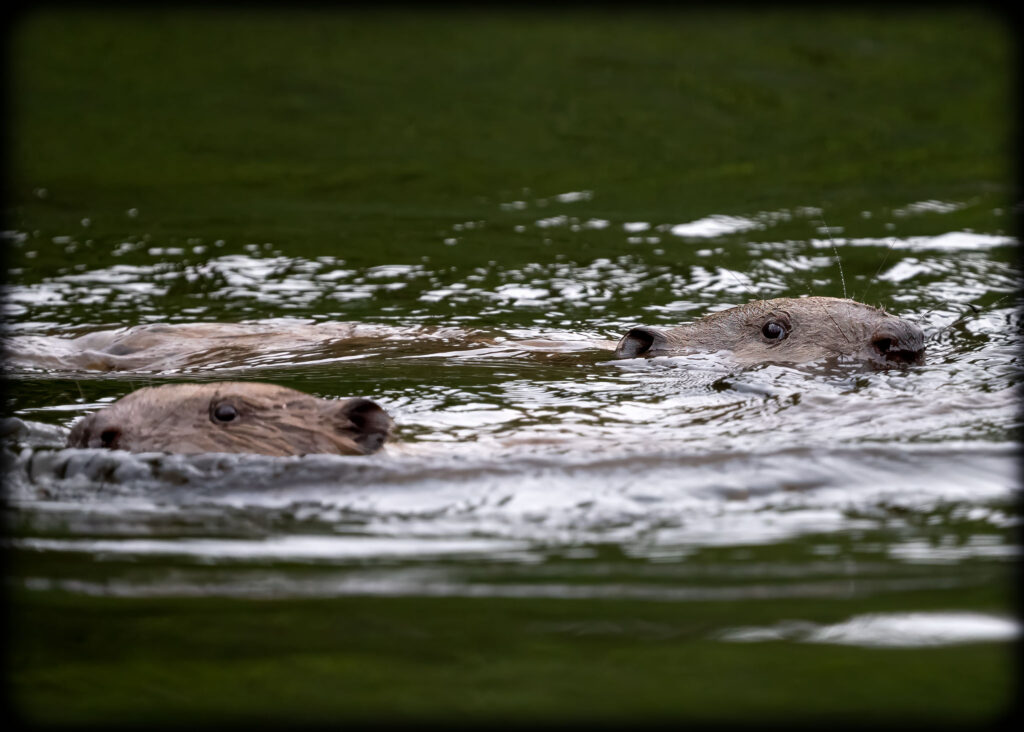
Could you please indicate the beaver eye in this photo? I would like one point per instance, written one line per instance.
(224, 412)
(774, 331)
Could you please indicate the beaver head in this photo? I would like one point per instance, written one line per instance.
(787, 330)
(234, 417)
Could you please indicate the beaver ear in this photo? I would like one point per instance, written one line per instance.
(641, 342)
(368, 424)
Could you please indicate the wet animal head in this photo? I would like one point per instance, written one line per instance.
(241, 417)
(787, 330)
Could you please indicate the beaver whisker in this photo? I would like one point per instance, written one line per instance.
(743, 284)
(974, 309)
(839, 261)
(825, 308)
(888, 251)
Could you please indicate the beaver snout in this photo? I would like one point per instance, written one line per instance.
(96, 431)
(898, 341)
(642, 341)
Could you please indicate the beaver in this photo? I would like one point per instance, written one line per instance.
(233, 416)
(787, 330)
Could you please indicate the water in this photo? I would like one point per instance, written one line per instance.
(543, 507)
(517, 469)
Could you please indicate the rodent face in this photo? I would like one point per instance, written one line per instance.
(239, 417)
(787, 330)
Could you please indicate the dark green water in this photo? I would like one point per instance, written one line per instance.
(554, 537)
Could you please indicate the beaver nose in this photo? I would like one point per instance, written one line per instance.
(641, 342)
(95, 432)
(109, 438)
(898, 341)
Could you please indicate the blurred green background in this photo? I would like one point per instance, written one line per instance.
(365, 135)
(356, 131)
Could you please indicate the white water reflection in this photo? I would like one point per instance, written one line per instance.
(283, 548)
(648, 504)
(889, 630)
(435, 582)
(713, 226)
(929, 206)
(529, 437)
(953, 241)
(580, 289)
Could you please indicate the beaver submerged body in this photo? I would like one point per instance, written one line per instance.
(787, 330)
(158, 347)
(240, 417)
